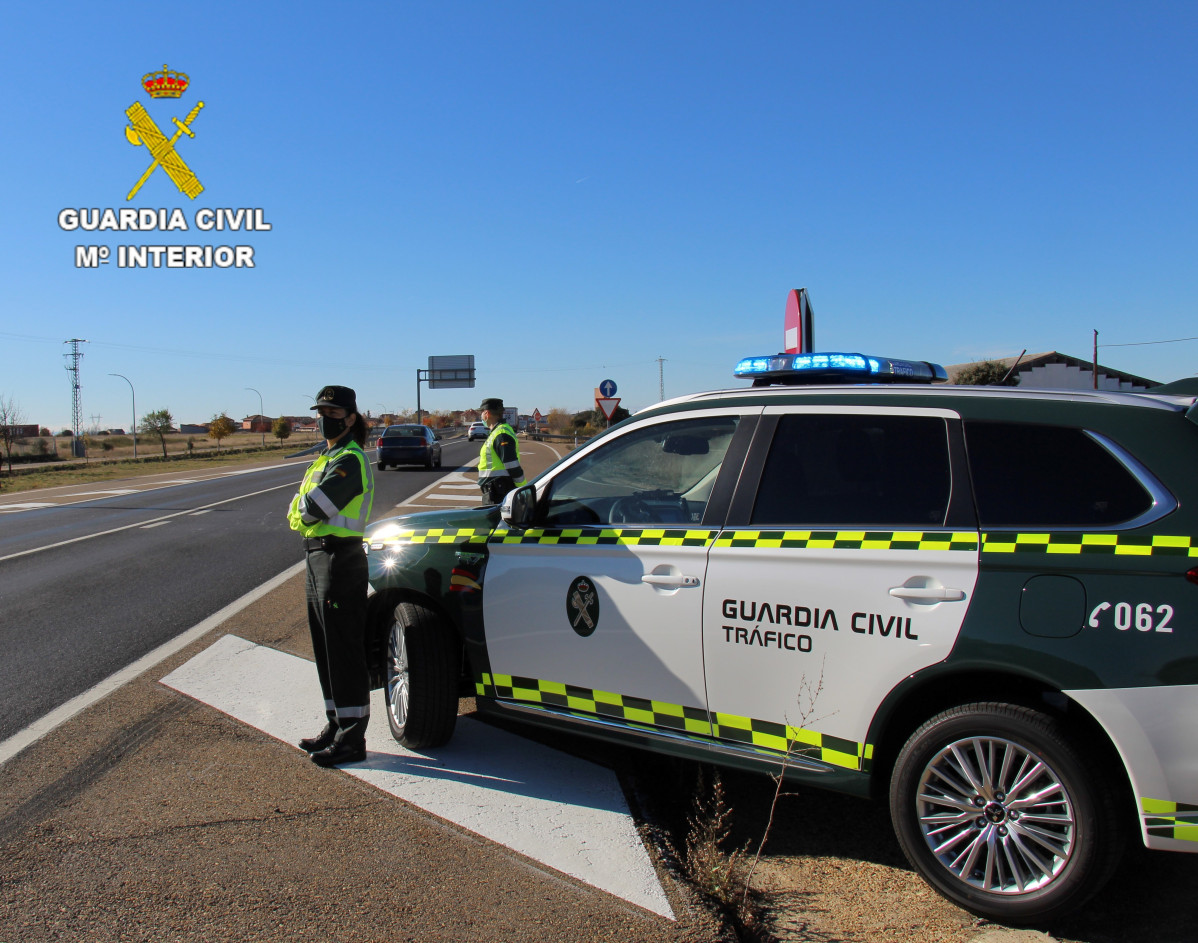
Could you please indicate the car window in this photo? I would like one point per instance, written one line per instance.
(1027, 475)
(657, 474)
(836, 469)
(394, 432)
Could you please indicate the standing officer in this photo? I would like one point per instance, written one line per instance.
(499, 468)
(330, 513)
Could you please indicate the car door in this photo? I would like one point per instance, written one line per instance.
(847, 564)
(598, 609)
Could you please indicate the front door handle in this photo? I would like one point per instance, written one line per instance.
(670, 580)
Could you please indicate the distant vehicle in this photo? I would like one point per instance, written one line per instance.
(409, 444)
(478, 430)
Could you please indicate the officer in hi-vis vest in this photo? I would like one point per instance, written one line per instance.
(330, 512)
(499, 468)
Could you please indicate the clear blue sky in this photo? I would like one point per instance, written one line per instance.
(571, 190)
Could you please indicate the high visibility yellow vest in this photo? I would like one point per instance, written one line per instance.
(351, 522)
(489, 463)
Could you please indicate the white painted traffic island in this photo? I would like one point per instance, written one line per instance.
(562, 811)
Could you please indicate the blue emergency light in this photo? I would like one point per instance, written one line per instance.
(830, 367)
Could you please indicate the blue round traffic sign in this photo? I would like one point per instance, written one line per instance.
(608, 388)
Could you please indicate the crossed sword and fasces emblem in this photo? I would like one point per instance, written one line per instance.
(581, 604)
(145, 131)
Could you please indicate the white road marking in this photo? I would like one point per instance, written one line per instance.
(81, 702)
(562, 811)
(28, 506)
(155, 524)
(85, 494)
(114, 530)
(205, 511)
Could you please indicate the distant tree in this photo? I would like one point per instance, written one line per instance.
(281, 429)
(43, 431)
(10, 417)
(986, 373)
(221, 427)
(559, 421)
(158, 423)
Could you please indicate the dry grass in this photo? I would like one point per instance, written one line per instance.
(184, 452)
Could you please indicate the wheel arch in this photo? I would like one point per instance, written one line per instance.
(923, 696)
(380, 606)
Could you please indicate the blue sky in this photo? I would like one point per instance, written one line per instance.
(572, 190)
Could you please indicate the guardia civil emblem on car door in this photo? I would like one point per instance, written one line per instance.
(582, 606)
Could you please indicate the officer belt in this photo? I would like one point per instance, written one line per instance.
(330, 543)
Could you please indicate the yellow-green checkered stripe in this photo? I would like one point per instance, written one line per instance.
(1170, 819)
(437, 535)
(623, 537)
(849, 540)
(1130, 545)
(767, 737)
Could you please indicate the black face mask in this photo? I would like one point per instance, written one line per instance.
(329, 427)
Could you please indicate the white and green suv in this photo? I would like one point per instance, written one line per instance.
(979, 601)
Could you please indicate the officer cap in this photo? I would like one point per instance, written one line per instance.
(493, 404)
(341, 396)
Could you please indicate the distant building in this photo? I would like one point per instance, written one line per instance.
(257, 423)
(192, 429)
(1059, 371)
(302, 423)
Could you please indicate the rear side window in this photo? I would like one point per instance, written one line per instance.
(1028, 475)
(840, 468)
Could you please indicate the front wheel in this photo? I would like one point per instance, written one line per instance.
(995, 807)
(421, 683)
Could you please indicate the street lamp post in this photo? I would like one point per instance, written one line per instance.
(260, 415)
(133, 396)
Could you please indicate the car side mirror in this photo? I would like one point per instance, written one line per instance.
(519, 508)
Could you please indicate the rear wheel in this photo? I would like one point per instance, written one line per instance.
(382, 466)
(421, 683)
(995, 807)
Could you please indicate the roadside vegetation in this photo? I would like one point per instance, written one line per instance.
(46, 461)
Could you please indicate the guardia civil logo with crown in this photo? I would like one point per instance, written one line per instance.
(142, 130)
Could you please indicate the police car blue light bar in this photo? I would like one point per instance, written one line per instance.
(833, 367)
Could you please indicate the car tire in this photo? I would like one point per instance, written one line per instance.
(438, 459)
(421, 678)
(382, 466)
(1023, 857)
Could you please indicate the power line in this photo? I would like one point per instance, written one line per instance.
(1176, 340)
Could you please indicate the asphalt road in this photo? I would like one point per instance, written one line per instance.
(90, 584)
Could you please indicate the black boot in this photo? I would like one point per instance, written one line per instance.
(336, 754)
(321, 741)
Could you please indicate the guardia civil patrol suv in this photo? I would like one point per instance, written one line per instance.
(979, 602)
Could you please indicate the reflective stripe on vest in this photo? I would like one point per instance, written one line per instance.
(489, 465)
(349, 521)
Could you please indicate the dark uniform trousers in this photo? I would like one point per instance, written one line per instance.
(336, 594)
(496, 489)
